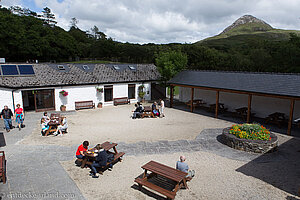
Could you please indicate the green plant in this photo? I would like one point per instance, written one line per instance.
(99, 89)
(250, 131)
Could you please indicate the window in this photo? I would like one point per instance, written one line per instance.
(61, 67)
(131, 91)
(131, 67)
(108, 93)
(85, 67)
(116, 67)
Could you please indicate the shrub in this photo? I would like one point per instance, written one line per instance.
(250, 132)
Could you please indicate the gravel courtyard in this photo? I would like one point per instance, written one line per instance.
(42, 165)
(115, 124)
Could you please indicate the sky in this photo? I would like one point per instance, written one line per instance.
(164, 21)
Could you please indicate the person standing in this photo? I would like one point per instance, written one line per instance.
(162, 107)
(7, 116)
(19, 115)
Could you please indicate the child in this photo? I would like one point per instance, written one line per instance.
(45, 126)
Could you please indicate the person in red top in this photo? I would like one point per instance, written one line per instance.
(19, 115)
(81, 149)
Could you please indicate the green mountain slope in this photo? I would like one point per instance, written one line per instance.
(244, 30)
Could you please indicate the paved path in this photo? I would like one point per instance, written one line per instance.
(35, 170)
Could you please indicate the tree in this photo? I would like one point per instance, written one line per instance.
(74, 22)
(48, 17)
(170, 63)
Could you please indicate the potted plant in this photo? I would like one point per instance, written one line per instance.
(99, 105)
(64, 93)
(63, 108)
(141, 92)
(99, 89)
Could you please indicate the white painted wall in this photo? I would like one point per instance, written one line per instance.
(86, 93)
(262, 106)
(6, 98)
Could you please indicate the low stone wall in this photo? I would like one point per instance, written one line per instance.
(256, 146)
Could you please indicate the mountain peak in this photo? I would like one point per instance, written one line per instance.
(249, 19)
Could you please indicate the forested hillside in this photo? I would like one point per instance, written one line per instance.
(24, 35)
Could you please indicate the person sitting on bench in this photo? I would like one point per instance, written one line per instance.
(182, 166)
(81, 149)
(46, 117)
(137, 112)
(155, 109)
(62, 127)
(101, 161)
(45, 126)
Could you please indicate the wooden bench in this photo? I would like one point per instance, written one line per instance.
(106, 146)
(120, 101)
(167, 193)
(196, 103)
(276, 118)
(84, 104)
(147, 112)
(117, 157)
(2, 167)
(178, 177)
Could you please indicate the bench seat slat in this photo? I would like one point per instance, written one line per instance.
(152, 186)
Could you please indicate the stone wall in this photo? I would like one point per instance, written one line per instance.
(256, 146)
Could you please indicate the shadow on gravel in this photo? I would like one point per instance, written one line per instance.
(280, 169)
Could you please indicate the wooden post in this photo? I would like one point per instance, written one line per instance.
(171, 96)
(249, 107)
(192, 99)
(291, 116)
(217, 103)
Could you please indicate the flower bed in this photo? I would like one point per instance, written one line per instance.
(250, 138)
(250, 132)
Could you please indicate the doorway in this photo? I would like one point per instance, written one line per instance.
(38, 100)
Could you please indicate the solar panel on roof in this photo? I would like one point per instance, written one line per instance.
(8, 70)
(26, 69)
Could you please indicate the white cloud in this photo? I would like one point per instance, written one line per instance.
(168, 21)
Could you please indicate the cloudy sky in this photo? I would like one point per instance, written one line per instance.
(164, 21)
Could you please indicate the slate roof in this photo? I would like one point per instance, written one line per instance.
(49, 75)
(266, 83)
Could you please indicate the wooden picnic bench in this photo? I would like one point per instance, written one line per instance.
(90, 155)
(243, 112)
(170, 173)
(221, 108)
(2, 167)
(55, 121)
(196, 103)
(84, 104)
(147, 112)
(120, 101)
(276, 118)
(54, 115)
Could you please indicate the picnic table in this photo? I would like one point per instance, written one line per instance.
(243, 112)
(196, 103)
(157, 169)
(147, 112)
(276, 118)
(221, 108)
(55, 121)
(90, 155)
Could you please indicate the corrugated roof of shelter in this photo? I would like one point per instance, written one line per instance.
(266, 83)
(49, 75)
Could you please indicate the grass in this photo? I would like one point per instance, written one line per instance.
(176, 90)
